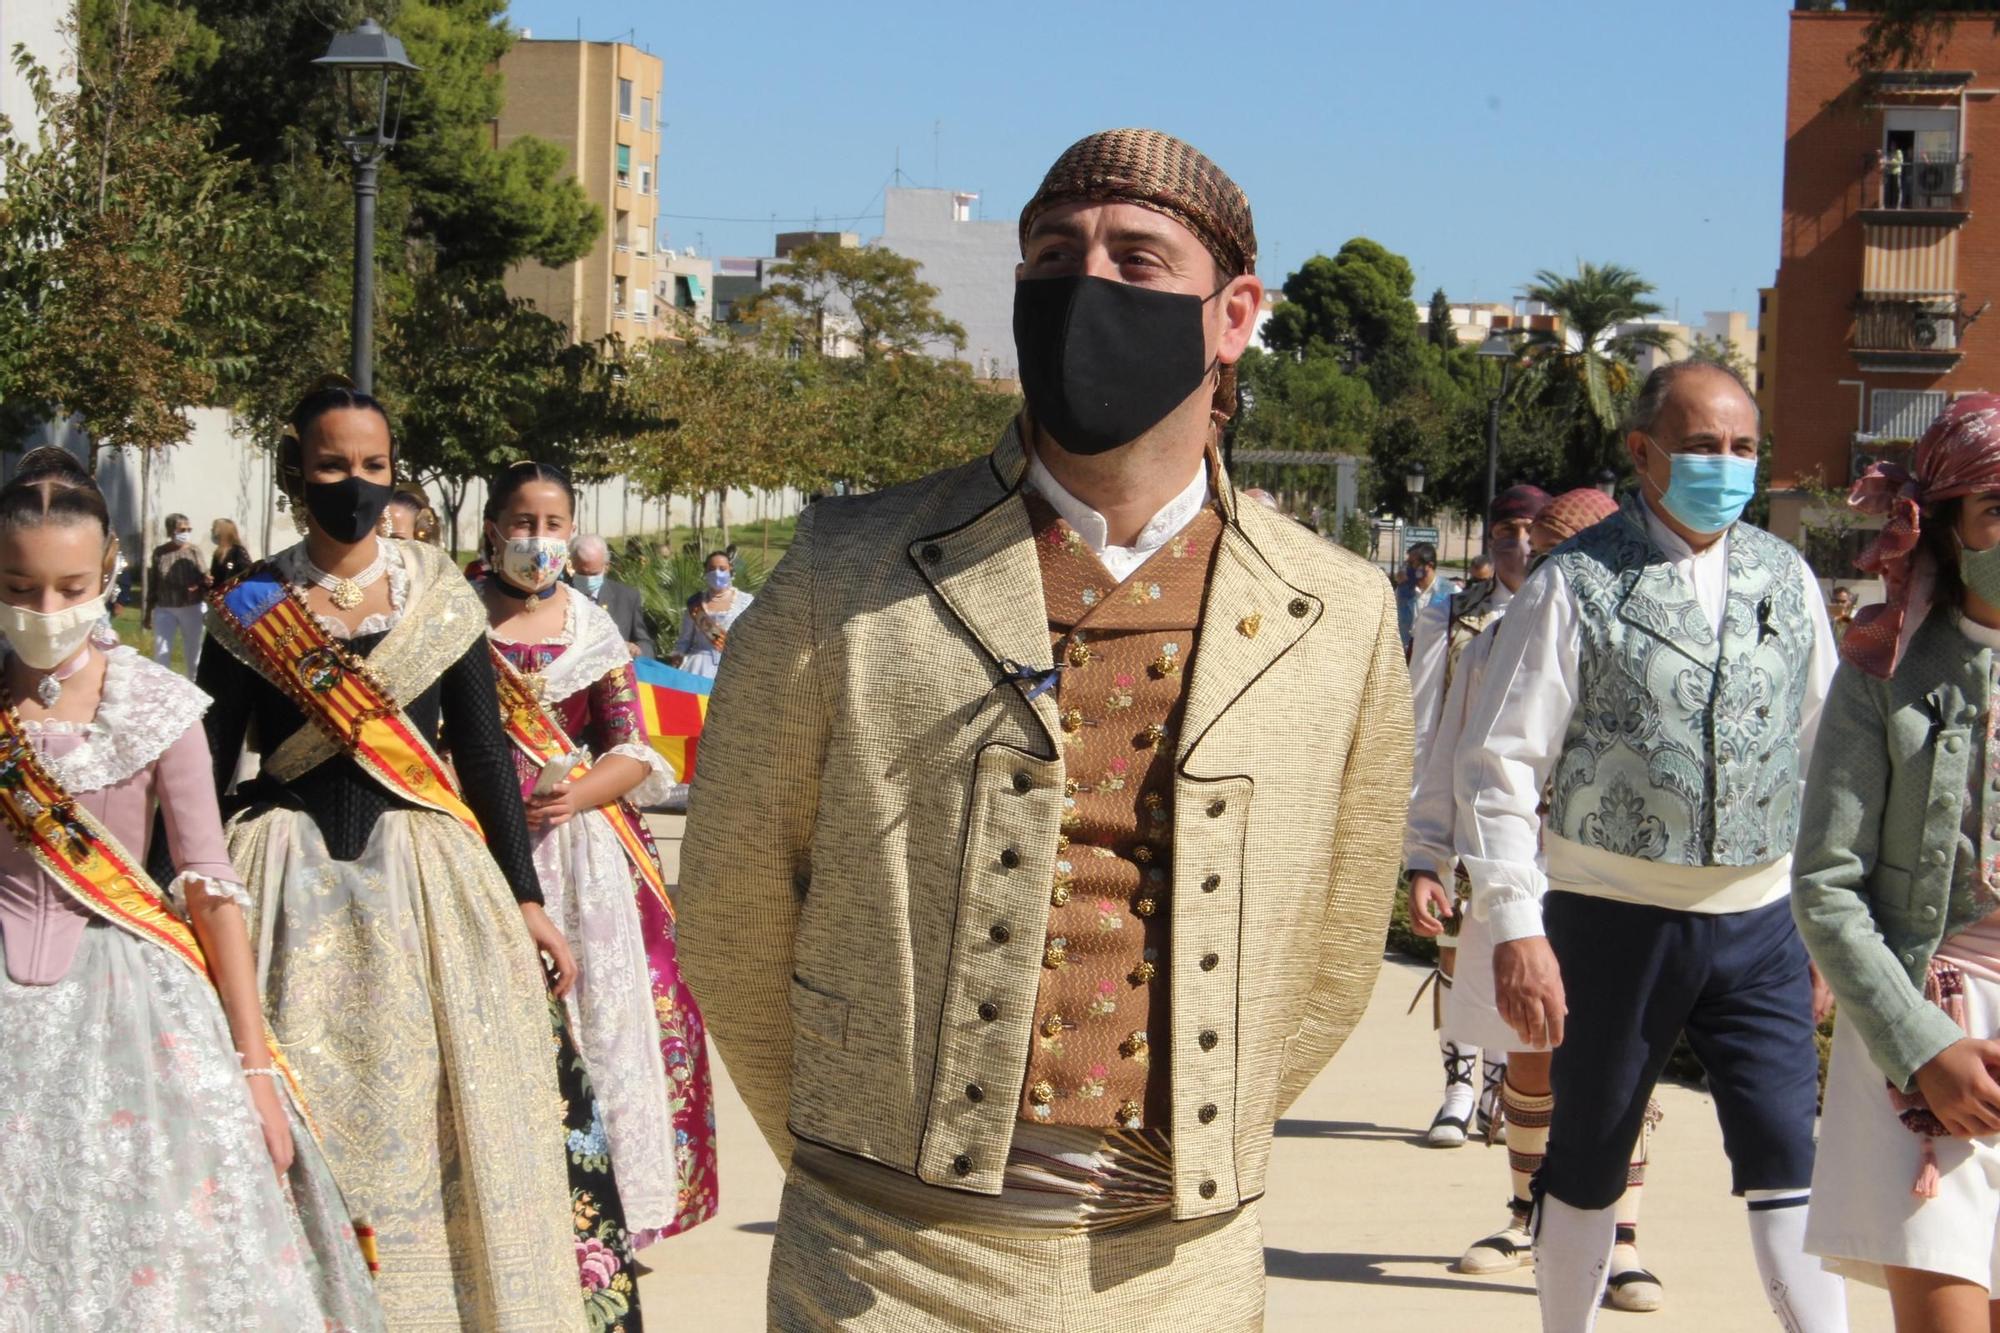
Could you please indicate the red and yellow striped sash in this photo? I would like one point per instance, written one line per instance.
(531, 727)
(334, 689)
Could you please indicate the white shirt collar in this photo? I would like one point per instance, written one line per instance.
(1090, 525)
(1672, 542)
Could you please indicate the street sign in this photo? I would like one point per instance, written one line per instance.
(1418, 536)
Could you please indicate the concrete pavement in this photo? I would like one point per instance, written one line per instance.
(1361, 1221)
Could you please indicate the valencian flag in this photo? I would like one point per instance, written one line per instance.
(676, 704)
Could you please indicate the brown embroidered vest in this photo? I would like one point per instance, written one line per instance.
(1125, 648)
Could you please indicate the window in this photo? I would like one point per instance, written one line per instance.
(645, 180)
(618, 296)
(645, 113)
(642, 309)
(1903, 414)
(625, 98)
(621, 230)
(624, 164)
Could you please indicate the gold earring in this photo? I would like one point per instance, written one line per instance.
(383, 526)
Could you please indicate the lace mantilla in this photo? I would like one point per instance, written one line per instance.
(144, 709)
(595, 650)
(292, 563)
(215, 888)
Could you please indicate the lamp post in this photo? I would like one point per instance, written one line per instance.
(370, 64)
(1500, 347)
(1607, 481)
(1413, 482)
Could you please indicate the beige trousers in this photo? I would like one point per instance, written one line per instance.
(839, 1264)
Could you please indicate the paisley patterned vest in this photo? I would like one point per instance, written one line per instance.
(1683, 748)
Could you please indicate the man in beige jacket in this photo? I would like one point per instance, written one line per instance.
(1048, 818)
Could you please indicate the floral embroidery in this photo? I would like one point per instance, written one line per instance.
(1094, 1085)
(1108, 915)
(1120, 698)
(1106, 1002)
(1088, 597)
(1144, 593)
(1178, 548)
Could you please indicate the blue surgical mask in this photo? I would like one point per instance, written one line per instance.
(590, 584)
(1707, 492)
(718, 579)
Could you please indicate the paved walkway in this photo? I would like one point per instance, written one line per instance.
(1361, 1221)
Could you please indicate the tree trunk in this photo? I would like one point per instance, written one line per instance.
(144, 555)
(722, 514)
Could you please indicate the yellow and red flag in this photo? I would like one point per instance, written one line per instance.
(676, 705)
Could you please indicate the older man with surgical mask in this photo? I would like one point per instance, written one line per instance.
(588, 561)
(1037, 929)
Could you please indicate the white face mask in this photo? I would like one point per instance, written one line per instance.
(47, 639)
(533, 563)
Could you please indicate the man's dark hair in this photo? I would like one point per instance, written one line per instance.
(1659, 386)
(1423, 553)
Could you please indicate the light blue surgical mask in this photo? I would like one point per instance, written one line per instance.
(1707, 492)
(590, 584)
(718, 579)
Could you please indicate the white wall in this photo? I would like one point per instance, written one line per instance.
(37, 25)
(220, 474)
(972, 266)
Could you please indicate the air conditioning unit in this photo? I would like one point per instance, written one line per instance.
(1934, 332)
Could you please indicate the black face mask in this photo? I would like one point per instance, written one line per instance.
(1103, 362)
(347, 510)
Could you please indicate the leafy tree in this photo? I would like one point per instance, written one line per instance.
(824, 291)
(1721, 352)
(1907, 34)
(1355, 306)
(1310, 404)
(1585, 369)
(1442, 334)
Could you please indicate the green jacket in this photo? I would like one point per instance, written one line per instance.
(1882, 873)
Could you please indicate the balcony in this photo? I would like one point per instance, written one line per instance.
(1932, 190)
(1865, 450)
(1918, 335)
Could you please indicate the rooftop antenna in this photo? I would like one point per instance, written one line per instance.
(898, 174)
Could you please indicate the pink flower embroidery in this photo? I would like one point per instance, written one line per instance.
(597, 1262)
(144, 1277)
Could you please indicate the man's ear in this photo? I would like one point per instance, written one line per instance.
(1240, 301)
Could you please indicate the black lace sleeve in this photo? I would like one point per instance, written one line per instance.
(471, 706)
(231, 688)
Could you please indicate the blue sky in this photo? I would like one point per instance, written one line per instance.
(1482, 140)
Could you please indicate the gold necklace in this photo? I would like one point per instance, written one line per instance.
(346, 593)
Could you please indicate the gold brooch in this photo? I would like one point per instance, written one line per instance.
(1249, 625)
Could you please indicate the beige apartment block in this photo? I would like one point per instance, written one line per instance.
(600, 102)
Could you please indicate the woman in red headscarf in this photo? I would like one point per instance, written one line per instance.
(1897, 892)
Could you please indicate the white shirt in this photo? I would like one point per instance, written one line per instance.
(1430, 639)
(1514, 733)
(1088, 524)
(1428, 843)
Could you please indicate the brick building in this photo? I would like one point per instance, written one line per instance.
(1890, 254)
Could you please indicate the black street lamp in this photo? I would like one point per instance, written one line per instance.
(1499, 346)
(1413, 482)
(370, 64)
(1607, 481)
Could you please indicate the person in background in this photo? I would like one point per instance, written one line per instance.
(1420, 587)
(1480, 570)
(230, 558)
(174, 595)
(710, 613)
(1659, 680)
(1896, 894)
(590, 558)
(1842, 612)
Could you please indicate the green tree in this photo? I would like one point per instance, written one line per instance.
(1585, 369)
(1907, 34)
(1352, 305)
(825, 291)
(1442, 333)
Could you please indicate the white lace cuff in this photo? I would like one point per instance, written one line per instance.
(659, 773)
(214, 888)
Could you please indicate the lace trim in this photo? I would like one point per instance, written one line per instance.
(595, 651)
(144, 709)
(215, 888)
(291, 562)
(659, 778)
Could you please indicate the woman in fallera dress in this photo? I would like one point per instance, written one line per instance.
(155, 1171)
(567, 682)
(399, 955)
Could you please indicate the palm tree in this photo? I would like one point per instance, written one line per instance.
(1585, 368)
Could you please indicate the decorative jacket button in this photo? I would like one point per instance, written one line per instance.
(1207, 1114)
(1000, 934)
(1953, 744)
(961, 1163)
(974, 1093)
(1930, 913)
(1208, 1186)
(1210, 883)
(1042, 1093)
(1208, 962)
(988, 1011)
(1208, 1039)
(1023, 783)
(1010, 858)
(932, 554)
(1909, 960)
(1216, 807)
(1299, 608)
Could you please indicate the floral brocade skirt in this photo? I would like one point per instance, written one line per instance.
(410, 1000)
(136, 1192)
(637, 1025)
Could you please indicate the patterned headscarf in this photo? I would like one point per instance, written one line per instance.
(1570, 513)
(1958, 456)
(1157, 171)
(1518, 502)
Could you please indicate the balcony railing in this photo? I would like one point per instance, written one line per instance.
(1924, 183)
(1916, 326)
